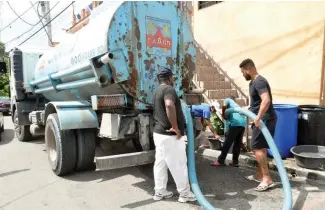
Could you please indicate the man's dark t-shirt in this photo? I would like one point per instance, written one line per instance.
(162, 123)
(256, 88)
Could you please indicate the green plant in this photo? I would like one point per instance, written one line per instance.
(2, 49)
(4, 85)
(4, 78)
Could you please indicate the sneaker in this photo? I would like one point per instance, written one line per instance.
(162, 195)
(185, 198)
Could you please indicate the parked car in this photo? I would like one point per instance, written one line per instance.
(5, 105)
(1, 124)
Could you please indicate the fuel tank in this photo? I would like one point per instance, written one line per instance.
(141, 36)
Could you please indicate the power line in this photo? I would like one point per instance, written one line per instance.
(55, 24)
(16, 19)
(59, 23)
(32, 27)
(1, 3)
(19, 15)
(47, 23)
(39, 16)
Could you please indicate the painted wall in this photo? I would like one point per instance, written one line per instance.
(285, 40)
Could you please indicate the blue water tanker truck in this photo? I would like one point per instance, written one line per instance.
(98, 84)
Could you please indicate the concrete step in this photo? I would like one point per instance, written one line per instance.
(204, 62)
(208, 70)
(221, 94)
(215, 85)
(200, 55)
(210, 77)
(209, 74)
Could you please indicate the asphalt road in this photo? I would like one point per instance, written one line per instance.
(27, 182)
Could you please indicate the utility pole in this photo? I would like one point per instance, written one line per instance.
(45, 5)
(1, 3)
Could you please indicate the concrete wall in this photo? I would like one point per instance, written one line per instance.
(285, 39)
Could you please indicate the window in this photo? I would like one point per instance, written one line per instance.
(205, 4)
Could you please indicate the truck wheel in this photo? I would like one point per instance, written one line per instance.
(86, 146)
(22, 132)
(60, 146)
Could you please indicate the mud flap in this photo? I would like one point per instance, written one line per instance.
(74, 114)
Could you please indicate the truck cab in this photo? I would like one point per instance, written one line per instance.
(22, 66)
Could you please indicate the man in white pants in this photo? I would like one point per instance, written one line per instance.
(170, 147)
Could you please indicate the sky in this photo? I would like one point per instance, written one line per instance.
(19, 27)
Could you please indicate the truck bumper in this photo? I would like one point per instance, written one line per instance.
(124, 160)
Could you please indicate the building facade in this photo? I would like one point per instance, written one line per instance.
(285, 40)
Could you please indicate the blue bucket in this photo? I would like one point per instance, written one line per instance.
(285, 136)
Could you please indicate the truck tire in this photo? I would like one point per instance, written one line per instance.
(22, 132)
(86, 146)
(60, 146)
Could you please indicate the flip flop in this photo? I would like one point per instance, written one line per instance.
(252, 178)
(263, 187)
(216, 164)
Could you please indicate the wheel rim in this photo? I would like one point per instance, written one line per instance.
(17, 127)
(51, 145)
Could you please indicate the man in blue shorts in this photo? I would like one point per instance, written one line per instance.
(235, 128)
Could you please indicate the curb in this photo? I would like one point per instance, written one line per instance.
(249, 160)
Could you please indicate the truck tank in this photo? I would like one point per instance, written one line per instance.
(139, 37)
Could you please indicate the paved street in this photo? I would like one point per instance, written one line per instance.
(27, 182)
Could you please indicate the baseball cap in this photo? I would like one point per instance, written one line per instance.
(165, 72)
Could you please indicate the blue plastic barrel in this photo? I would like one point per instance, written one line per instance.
(285, 136)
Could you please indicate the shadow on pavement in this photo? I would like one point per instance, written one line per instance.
(216, 184)
(303, 193)
(224, 187)
(13, 172)
(7, 136)
(138, 204)
(36, 140)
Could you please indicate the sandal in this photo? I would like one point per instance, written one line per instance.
(252, 178)
(263, 187)
(216, 164)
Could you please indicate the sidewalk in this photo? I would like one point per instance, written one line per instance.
(248, 159)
